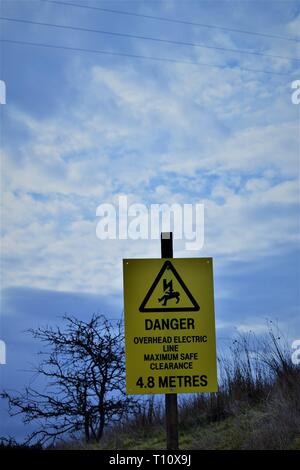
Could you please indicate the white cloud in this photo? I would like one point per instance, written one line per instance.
(293, 26)
(215, 131)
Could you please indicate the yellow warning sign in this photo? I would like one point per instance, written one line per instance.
(169, 325)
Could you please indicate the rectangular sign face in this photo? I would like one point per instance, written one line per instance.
(169, 325)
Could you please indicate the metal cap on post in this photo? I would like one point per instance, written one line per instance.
(166, 244)
(171, 409)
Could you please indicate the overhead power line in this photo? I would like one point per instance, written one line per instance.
(138, 56)
(148, 38)
(172, 20)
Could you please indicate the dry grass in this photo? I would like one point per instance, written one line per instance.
(257, 406)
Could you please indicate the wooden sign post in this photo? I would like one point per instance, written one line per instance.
(171, 408)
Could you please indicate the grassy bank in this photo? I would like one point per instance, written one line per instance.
(257, 406)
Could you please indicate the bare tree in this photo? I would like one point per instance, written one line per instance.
(85, 381)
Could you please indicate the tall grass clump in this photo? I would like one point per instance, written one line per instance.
(257, 405)
(259, 386)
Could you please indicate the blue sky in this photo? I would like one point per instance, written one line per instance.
(79, 129)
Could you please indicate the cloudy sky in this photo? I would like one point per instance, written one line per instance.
(81, 128)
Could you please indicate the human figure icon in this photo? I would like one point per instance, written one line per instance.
(169, 293)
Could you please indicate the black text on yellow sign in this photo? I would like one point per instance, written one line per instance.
(169, 325)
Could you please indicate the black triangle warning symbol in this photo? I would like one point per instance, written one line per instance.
(170, 295)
